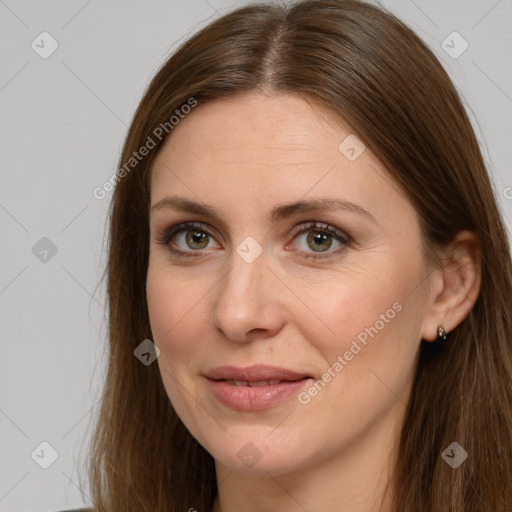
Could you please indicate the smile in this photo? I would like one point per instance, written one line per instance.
(255, 387)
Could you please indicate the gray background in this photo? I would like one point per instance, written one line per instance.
(63, 120)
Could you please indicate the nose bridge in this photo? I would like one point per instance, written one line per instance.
(245, 300)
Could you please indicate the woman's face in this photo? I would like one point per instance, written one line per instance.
(341, 332)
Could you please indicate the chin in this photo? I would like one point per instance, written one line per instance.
(260, 450)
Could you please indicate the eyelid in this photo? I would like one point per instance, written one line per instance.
(320, 226)
(165, 235)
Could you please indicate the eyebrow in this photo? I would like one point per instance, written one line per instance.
(280, 212)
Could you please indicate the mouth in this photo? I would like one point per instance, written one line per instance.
(255, 388)
(256, 383)
(255, 374)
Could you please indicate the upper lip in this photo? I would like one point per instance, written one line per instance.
(254, 373)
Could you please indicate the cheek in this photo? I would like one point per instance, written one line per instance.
(163, 314)
(173, 307)
(367, 362)
(345, 305)
(176, 313)
(366, 334)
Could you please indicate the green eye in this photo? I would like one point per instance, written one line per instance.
(319, 240)
(194, 237)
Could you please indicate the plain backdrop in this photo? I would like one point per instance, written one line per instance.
(63, 121)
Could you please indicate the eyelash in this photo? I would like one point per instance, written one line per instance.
(166, 236)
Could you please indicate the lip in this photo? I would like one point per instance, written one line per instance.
(264, 396)
(253, 373)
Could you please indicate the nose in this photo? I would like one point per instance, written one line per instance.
(247, 305)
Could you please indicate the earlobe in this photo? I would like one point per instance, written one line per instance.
(461, 279)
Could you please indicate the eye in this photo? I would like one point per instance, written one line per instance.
(189, 237)
(319, 239)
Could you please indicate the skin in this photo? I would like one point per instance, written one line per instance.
(243, 156)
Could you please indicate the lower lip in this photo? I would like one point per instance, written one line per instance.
(246, 398)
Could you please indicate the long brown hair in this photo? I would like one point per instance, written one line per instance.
(367, 67)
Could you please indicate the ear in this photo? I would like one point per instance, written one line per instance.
(457, 285)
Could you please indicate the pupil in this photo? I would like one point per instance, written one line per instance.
(197, 237)
(319, 240)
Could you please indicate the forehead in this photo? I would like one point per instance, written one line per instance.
(250, 151)
(285, 125)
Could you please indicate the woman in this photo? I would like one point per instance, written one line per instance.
(309, 280)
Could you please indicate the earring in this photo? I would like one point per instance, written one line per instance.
(441, 334)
